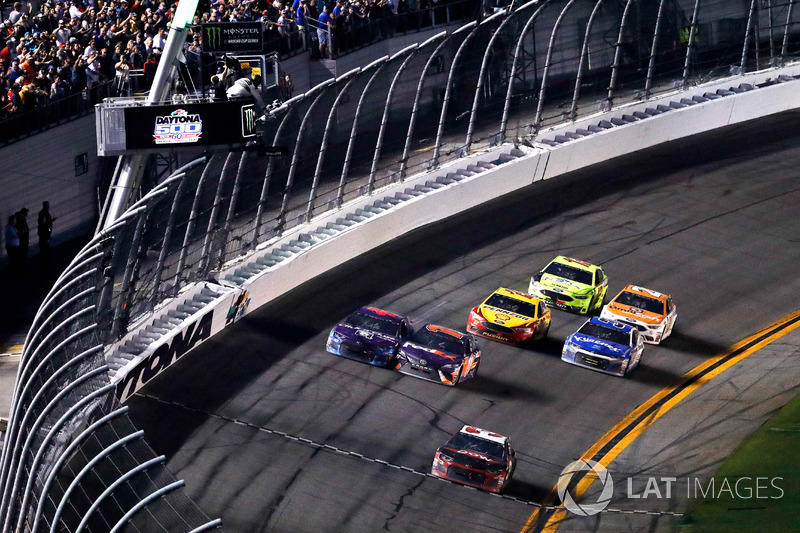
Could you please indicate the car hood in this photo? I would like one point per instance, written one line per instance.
(562, 284)
(634, 313)
(599, 346)
(365, 337)
(471, 459)
(432, 357)
(504, 318)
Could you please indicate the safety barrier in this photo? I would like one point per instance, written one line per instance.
(229, 232)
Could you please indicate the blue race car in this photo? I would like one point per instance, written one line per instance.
(604, 345)
(369, 335)
(439, 354)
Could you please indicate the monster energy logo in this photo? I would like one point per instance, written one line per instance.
(248, 121)
(213, 36)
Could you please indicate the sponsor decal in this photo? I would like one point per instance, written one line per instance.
(248, 121)
(164, 356)
(239, 307)
(365, 333)
(213, 36)
(598, 342)
(179, 126)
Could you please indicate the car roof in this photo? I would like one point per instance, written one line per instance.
(577, 263)
(484, 434)
(611, 323)
(380, 313)
(441, 329)
(646, 292)
(517, 295)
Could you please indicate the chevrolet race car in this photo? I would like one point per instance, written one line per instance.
(369, 335)
(510, 316)
(604, 345)
(651, 312)
(477, 458)
(439, 354)
(571, 285)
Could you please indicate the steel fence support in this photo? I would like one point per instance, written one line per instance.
(190, 224)
(378, 65)
(226, 229)
(208, 526)
(121, 312)
(287, 191)
(173, 213)
(352, 75)
(690, 45)
(484, 66)
(205, 258)
(617, 53)
(115, 485)
(510, 90)
(651, 64)
(33, 433)
(66, 454)
(14, 427)
(411, 51)
(785, 44)
(86, 469)
(290, 106)
(420, 84)
(576, 93)
(437, 145)
(743, 64)
(548, 58)
(771, 34)
(144, 502)
(80, 404)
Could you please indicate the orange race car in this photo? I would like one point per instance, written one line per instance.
(651, 312)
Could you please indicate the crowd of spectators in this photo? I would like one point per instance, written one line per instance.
(60, 48)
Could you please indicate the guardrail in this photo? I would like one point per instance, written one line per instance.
(228, 233)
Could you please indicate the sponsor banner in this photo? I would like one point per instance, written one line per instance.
(193, 331)
(189, 125)
(232, 37)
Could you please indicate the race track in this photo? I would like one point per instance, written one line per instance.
(712, 221)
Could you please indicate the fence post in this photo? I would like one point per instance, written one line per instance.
(510, 91)
(353, 75)
(743, 64)
(411, 51)
(548, 58)
(617, 52)
(690, 45)
(651, 65)
(785, 43)
(576, 93)
(205, 256)
(415, 108)
(232, 208)
(378, 66)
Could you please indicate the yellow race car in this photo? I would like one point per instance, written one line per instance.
(510, 316)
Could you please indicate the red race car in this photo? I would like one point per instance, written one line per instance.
(476, 457)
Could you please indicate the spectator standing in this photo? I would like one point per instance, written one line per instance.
(45, 231)
(323, 32)
(12, 245)
(24, 236)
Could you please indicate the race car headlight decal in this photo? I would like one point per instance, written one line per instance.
(526, 329)
(450, 369)
(494, 470)
(444, 457)
(581, 296)
(384, 352)
(334, 339)
(475, 314)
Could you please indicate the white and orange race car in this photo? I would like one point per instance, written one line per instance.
(651, 312)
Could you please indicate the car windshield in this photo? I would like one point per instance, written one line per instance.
(372, 323)
(490, 449)
(439, 340)
(569, 272)
(607, 334)
(513, 305)
(650, 305)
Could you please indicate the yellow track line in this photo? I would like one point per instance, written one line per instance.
(634, 424)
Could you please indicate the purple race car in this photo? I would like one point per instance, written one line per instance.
(439, 354)
(369, 335)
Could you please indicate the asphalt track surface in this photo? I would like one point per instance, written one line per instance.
(712, 220)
